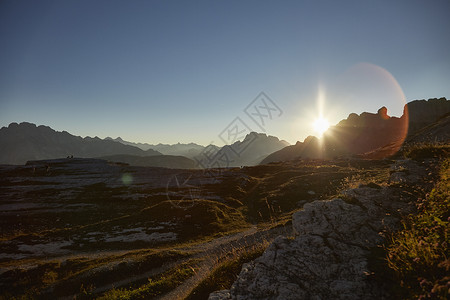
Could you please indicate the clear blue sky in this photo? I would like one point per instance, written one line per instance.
(181, 71)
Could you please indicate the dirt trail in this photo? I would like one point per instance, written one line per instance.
(219, 249)
(211, 252)
(202, 249)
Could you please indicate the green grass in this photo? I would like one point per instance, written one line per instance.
(418, 254)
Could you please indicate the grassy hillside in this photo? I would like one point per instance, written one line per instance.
(419, 254)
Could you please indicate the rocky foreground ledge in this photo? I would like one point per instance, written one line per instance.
(329, 256)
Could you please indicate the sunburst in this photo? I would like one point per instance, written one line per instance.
(321, 125)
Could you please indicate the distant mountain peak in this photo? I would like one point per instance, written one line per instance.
(258, 135)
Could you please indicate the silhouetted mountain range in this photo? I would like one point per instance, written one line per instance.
(188, 150)
(142, 146)
(248, 152)
(356, 135)
(367, 132)
(25, 141)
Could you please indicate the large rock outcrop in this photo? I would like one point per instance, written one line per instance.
(328, 259)
(364, 133)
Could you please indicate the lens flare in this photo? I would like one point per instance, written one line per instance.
(366, 87)
(127, 179)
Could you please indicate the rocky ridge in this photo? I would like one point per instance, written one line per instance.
(368, 132)
(328, 259)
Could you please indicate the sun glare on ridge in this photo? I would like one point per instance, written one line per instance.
(321, 125)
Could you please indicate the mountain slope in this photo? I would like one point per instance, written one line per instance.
(142, 146)
(248, 152)
(309, 148)
(438, 131)
(189, 150)
(424, 112)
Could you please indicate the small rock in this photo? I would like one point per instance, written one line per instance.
(220, 295)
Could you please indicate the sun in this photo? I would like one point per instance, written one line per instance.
(321, 125)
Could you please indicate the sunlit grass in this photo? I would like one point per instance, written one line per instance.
(426, 150)
(225, 273)
(156, 285)
(418, 254)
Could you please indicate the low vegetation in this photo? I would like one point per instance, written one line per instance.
(82, 275)
(201, 218)
(156, 285)
(104, 220)
(223, 276)
(419, 253)
(426, 150)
